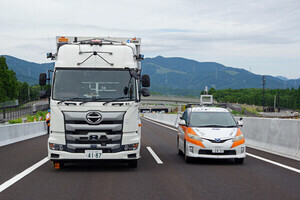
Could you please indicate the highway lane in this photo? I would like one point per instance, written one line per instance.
(174, 179)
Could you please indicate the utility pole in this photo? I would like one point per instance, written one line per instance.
(28, 92)
(278, 101)
(263, 81)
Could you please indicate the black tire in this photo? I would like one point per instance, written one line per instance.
(239, 161)
(180, 153)
(132, 164)
(186, 158)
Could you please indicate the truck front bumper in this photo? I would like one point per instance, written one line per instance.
(122, 155)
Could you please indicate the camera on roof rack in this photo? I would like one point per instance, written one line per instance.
(52, 56)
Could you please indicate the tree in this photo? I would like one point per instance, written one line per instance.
(8, 81)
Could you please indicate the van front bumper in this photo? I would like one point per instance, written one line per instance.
(196, 151)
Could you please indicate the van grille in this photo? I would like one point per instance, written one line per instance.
(209, 152)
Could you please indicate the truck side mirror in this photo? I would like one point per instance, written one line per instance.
(145, 92)
(146, 80)
(43, 79)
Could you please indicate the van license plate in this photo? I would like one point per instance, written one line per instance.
(218, 150)
(93, 154)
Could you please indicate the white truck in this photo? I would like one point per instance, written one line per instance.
(95, 100)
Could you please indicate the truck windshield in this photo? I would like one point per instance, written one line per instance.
(212, 119)
(85, 84)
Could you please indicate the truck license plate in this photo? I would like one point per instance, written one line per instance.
(218, 150)
(93, 154)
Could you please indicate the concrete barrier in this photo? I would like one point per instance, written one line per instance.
(18, 132)
(278, 136)
(169, 119)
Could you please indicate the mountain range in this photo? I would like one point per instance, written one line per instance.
(27, 71)
(179, 72)
(174, 74)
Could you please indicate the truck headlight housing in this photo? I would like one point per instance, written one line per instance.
(195, 137)
(129, 147)
(57, 147)
(237, 138)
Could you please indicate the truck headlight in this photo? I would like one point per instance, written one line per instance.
(129, 147)
(237, 138)
(57, 147)
(195, 137)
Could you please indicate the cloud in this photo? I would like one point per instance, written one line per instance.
(234, 32)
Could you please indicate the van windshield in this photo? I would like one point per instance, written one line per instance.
(212, 119)
(91, 84)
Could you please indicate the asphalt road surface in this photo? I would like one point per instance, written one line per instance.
(171, 179)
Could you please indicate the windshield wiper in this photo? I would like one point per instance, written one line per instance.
(114, 100)
(91, 100)
(211, 125)
(71, 99)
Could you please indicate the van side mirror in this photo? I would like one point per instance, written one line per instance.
(145, 92)
(182, 122)
(43, 79)
(146, 80)
(240, 123)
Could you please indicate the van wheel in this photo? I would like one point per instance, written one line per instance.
(132, 164)
(186, 158)
(239, 161)
(179, 150)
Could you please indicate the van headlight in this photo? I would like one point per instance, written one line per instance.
(237, 138)
(57, 147)
(195, 137)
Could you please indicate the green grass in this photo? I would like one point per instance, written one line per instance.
(251, 110)
(30, 118)
(234, 112)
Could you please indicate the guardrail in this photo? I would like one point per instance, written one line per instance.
(278, 136)
(18, 132)
(27, 108)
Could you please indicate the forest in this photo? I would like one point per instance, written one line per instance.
(284, 98)
(11, 88)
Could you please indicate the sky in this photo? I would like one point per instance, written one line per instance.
(261, 36)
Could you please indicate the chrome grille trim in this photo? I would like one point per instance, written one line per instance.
(100, 127)
(81, 136)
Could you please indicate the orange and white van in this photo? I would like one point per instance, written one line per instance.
(210, 132)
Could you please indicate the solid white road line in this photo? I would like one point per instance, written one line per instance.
(174, 129)
(274, 163)
(154, 156)
(251, 155)
(22, 174)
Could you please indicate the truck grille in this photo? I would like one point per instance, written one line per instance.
(105, 136)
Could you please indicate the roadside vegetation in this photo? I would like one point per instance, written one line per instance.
(30, 118)
(288, 98)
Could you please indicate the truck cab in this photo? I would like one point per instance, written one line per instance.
(95, 100)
